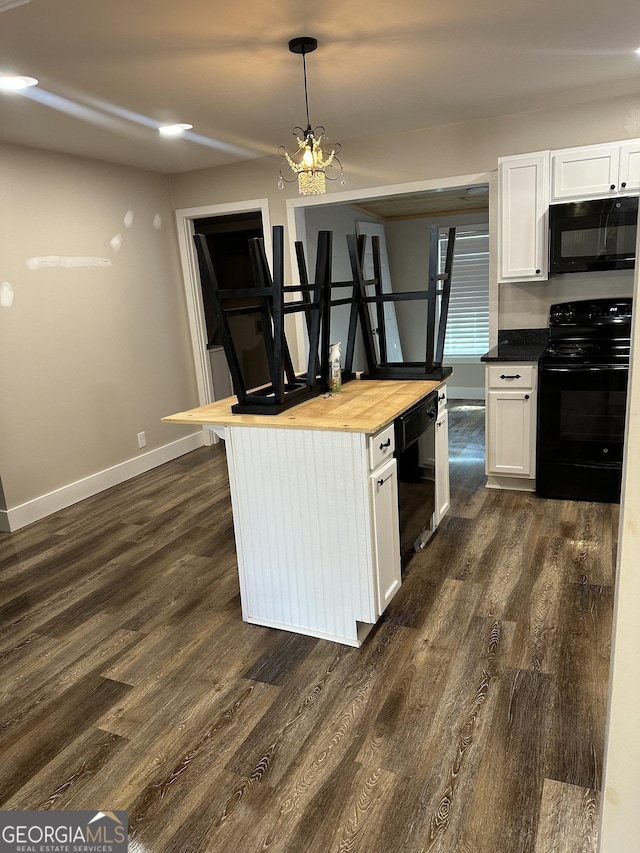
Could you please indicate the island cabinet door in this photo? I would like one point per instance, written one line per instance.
(387, 564)
(510, 433)
(443, 494)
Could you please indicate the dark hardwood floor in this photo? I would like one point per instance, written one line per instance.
(471, 721)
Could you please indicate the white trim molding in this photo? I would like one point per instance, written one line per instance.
(40, 507)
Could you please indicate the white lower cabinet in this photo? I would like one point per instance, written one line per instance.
(511, 411)
(443, 493)
(383, 486)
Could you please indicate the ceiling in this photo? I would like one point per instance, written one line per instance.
(111, 72)
(439, 202)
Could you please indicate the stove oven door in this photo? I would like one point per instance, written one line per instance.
(581, 415)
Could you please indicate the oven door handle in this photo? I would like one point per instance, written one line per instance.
(584, 368)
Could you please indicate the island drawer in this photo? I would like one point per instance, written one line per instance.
(381, 446)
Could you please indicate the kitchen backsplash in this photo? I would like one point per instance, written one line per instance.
(526, 305)
(522, 337)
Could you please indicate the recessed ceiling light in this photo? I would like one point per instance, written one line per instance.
(638, 51)
(173, 129)
(14, 83)
(11, 4)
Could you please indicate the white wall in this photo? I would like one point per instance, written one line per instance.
(90, 356)
(620, 822)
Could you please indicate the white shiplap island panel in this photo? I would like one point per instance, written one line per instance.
(315, 506)
(304, 543)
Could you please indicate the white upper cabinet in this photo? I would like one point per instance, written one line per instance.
(523, 231)
(593, 171)
(630, 167)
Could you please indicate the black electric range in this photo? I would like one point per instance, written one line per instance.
(582, 391)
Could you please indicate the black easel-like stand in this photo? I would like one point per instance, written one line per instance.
(439, 287)
(329, 301)
(316, 300)
(267, 302)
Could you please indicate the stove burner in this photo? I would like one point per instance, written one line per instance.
(589, 332)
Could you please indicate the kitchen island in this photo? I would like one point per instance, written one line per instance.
(315, 506)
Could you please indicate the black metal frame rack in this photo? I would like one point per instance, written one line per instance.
(316, 300)
(328, 301)
(439, 286)
(267, 295)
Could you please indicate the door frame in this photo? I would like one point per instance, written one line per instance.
(185, 218)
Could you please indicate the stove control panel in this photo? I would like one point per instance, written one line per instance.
(590, 312)
(619, 309)
(563, 313)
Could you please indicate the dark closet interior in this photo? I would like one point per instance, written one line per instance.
(228, 241)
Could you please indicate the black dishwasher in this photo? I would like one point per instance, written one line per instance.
(415, 454)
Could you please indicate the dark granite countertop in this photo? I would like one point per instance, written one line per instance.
(518, 345)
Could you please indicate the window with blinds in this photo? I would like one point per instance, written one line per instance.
(468, 320)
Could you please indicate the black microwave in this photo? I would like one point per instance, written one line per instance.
(591, 236)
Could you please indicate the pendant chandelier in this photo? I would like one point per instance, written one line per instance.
(310, 162)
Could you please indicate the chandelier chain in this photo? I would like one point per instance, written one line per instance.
(306, 94)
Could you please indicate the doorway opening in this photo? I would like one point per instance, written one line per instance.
(228, 239)
(221, 223)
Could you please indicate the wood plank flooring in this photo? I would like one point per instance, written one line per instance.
(471, 721)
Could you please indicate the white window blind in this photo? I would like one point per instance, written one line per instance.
(468, 320)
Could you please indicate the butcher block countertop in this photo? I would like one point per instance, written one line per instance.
(365, 406)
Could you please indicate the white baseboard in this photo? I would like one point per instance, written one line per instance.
(38, 508)
(519, 484)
